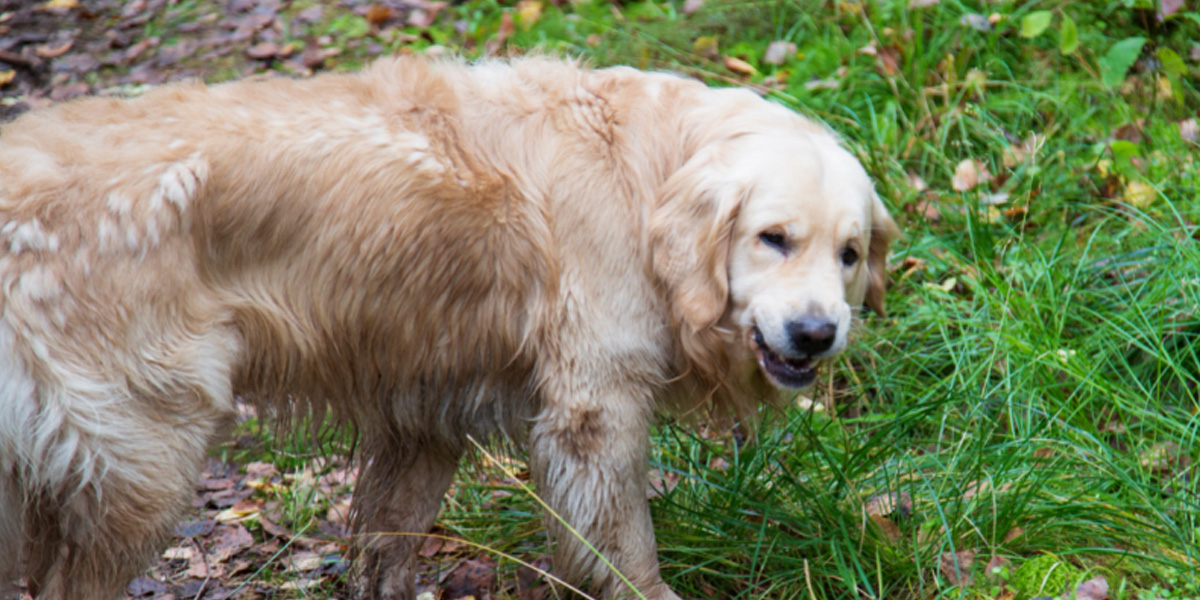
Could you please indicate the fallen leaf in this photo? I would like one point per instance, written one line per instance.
(892, 502)
(718, 464)
(1167, 8)
(54, 52)
(300, 584)
(1161, 456)
(1139, 194)
(956, 567)
(262, 51)
(274, 529)
(778, 52)
(228, 540)
(1189, 130)
(996, 569)
(691, 6)
(739, 66)
(888, 60)
(179, 553)
(240, 511)
(528, 12)
(661, 483)
(59, 5)
(474, 577)
(706, 46)
(6, 77)
(1095, 588)
(146, 587)
(887, 526)
(378, 14)
(969, 174)
(196, 528)
(1013, 534)
(303, 561)
(530, 579)
(976, 21)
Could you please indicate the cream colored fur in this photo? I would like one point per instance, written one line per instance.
(430, 251)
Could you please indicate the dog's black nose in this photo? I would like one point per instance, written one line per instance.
(811, 336)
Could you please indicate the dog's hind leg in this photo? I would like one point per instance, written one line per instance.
(398, 496)
(88, 535)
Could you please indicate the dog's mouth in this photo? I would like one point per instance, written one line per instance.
(784, 371)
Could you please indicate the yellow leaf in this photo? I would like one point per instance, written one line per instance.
(1139, 194)
(60, 4)
(706, 46)
(528, 12)
(7, 76)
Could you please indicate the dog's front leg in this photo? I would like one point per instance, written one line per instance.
(588, 455)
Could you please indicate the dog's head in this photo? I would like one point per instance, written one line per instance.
(774, 237)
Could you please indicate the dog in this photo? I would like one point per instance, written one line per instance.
(428, 252)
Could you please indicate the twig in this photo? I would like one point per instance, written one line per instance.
(13, 58)
(207, 569)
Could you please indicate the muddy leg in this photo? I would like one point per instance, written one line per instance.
(588, 454)
(398, 496)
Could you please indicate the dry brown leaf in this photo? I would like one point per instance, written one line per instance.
(892, 502)
(888, 60)
(1095, 588)
(506, 29)
(378, 14)
(303, 561)
(1189, 130)
(53, 52)
(660, 483)
(887, 526)
(739, 66)
(474, 577)
(956, 566)
(778, 52)
(1013, 534)
(997, 562)
(6, 77)
(968, 175)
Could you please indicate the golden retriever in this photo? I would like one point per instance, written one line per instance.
(426, 251)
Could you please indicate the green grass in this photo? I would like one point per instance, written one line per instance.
(1035, 388)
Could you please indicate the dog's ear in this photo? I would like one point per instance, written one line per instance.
(690, 234)
(883, 232)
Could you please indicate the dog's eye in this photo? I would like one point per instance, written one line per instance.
(849, 257)
(774, 239)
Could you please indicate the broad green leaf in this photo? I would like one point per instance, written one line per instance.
(1035, 23)
(1175, 69)
(1119, 58)
(1068, 35)
(1123, 151)
(1172, 64)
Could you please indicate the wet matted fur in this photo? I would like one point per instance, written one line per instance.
(429, 251)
